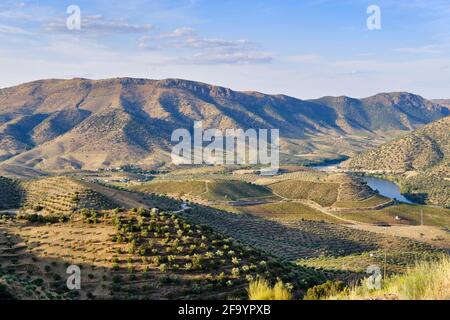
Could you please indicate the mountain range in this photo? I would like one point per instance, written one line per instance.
(51, 125)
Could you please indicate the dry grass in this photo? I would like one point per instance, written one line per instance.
(260, 289)
(424, 281)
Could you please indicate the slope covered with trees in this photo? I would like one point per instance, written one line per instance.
(419, 161)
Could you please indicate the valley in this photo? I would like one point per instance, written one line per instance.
(86, 179)
(323, 226)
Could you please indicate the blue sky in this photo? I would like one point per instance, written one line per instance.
(304, 48)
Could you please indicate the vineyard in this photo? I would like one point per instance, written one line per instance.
(201, 252)
(213, 190)
(372, 202)
(397, 260)
(296, 239)
(407, 214)
(322, 193)
(62, 195)
(288, 211)
(336, 191)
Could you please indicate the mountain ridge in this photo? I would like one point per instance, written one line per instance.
(85, 124)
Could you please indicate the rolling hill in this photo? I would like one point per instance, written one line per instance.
(84, 124)
(54, 195)
(219, 190)
(61, 195)
(420, 161)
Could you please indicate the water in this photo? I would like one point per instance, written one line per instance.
(327, 168)
(385, 187)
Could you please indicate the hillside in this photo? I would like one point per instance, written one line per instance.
(85, 124)
(385, 111)
(424, 281)
(55, 195)
(135, 254)
(10, 193)
(219, 190)
(337, 191)
(61, 195)
(157, 251)
(420, 161)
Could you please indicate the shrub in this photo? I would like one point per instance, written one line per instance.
(235, 272)
(163, 267)
(324, 290)
(260, 289)
(197, 261)
(425, 281)
(4, 293)
(117, 279)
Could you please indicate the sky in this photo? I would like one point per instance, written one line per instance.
(306, 49)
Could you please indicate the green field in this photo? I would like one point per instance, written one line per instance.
(409, 214)
(323, 193)
(397, 260)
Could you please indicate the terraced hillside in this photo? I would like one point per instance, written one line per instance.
(213, 190)
(339, 191)
(287, 210)
(420, 162)
(11, 194)
(196, 253)
(402, 214)
(61, 195)
(139, 255)
(323, 193)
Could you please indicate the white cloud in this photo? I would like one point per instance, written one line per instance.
(217, 57)
(307, 58)
(197, 49)
(187, 38)
(98, 25)
(12, 30)
(429, 49)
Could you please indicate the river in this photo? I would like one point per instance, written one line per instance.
(385, 187)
